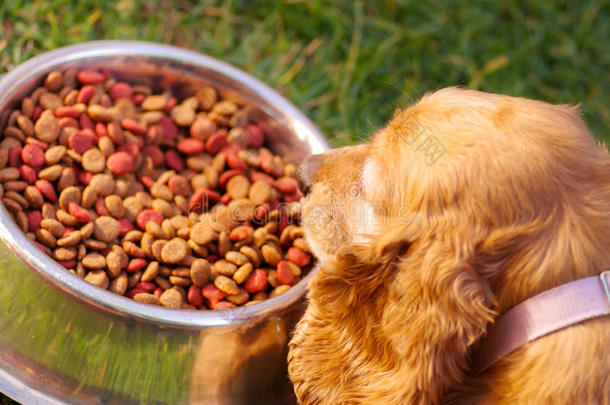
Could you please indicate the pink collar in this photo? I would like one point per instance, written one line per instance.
(542, 314)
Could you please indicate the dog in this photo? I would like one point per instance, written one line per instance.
(465, 205)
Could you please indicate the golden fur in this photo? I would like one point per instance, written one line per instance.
(420, 251)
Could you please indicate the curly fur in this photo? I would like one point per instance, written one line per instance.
(518, 203)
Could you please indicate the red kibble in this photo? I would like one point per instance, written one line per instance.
(81, 141)
(32, 155)
(100, 130)
(100, 207)
(212, 258)
(236, 163)
(85, 94)
(68, 230)
(133, 126)
(226, 176)
(154, 153)
(135, 265)
(240, 232)
(284, 273)
(298, 257)
(18, 185)
(220, 305)
(131, 293)
(120, 163)
(125, 226)
(169, 130)
(86, 123)
(89, 77)
(67, 122)
(215, 143)
(27, 174)
(296, 196)
(257, 281)
(131, 148)
(212, 293)
(255, 176)
(171, 103)
(138, 98)
(262, 211)
(191, 146)
(14, 157)
(84, 177)
(158, 292)
(36, 114)
(41, 247)
(46, 189)
(65, 111)
(33, 141)
(34, 220)
(225, 199)
(202, 198)
(256, 138)
(174, 161)
(286, 185)
(146, 286)
(194, 296)
(116, 133)
(151, 134)
(68, 264)
(81, 214)
(178, 185)
(147, 181)
(148, 215)
(268, 164)
(120, 90)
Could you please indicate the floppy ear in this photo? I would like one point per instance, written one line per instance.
(390, 322)
(451, 306)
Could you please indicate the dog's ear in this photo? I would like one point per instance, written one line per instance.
(411, 302)
(448, 306)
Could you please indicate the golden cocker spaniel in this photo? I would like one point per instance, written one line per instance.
(463, 206)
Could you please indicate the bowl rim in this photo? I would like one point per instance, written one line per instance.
(105, 300)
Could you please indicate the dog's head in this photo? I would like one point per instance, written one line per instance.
(465, 204)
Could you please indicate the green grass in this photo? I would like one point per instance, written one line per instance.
(348, 64)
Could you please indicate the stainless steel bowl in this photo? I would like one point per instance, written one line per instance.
(63, 340)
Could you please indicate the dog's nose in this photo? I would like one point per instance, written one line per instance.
(308, 169)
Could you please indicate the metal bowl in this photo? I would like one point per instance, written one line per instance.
(64, 340)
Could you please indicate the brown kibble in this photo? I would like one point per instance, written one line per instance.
(68, 195)
(224, 268)
(156, 102)
(97, 278)
(54, 226)
(254, 255)
(224, 243)
(183, 115)
(260, 192)
(171, 298)
(47, 128)
(93, 161)
(106, 228)
(66, 218)
(89, 197)
(25, 124)
(202, 233)
(46, 238)
(207, 97)
(87, 230)
(181, 281)
(54, 154)
(94, 261)
(279, 290)
(242, 274)
(227, 285)
(240, 298)
(71, 239)
(147, 298)
(67, 179)
(152, 271)
(54, 81)
(115, 206)
(174, 251)
(63, 253)
(50, 101)
(34, 197)
(116, 260)
(103, 184)
(201, 272)
(119, 284)
(271, 255)
(9, 173)
(50, 173)
(236, 258)
(238, 186)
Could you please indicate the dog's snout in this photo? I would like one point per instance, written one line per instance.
(307, 170)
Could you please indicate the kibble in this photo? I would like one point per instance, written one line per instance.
(169, 202)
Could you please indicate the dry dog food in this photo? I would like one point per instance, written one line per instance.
(169, 202)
